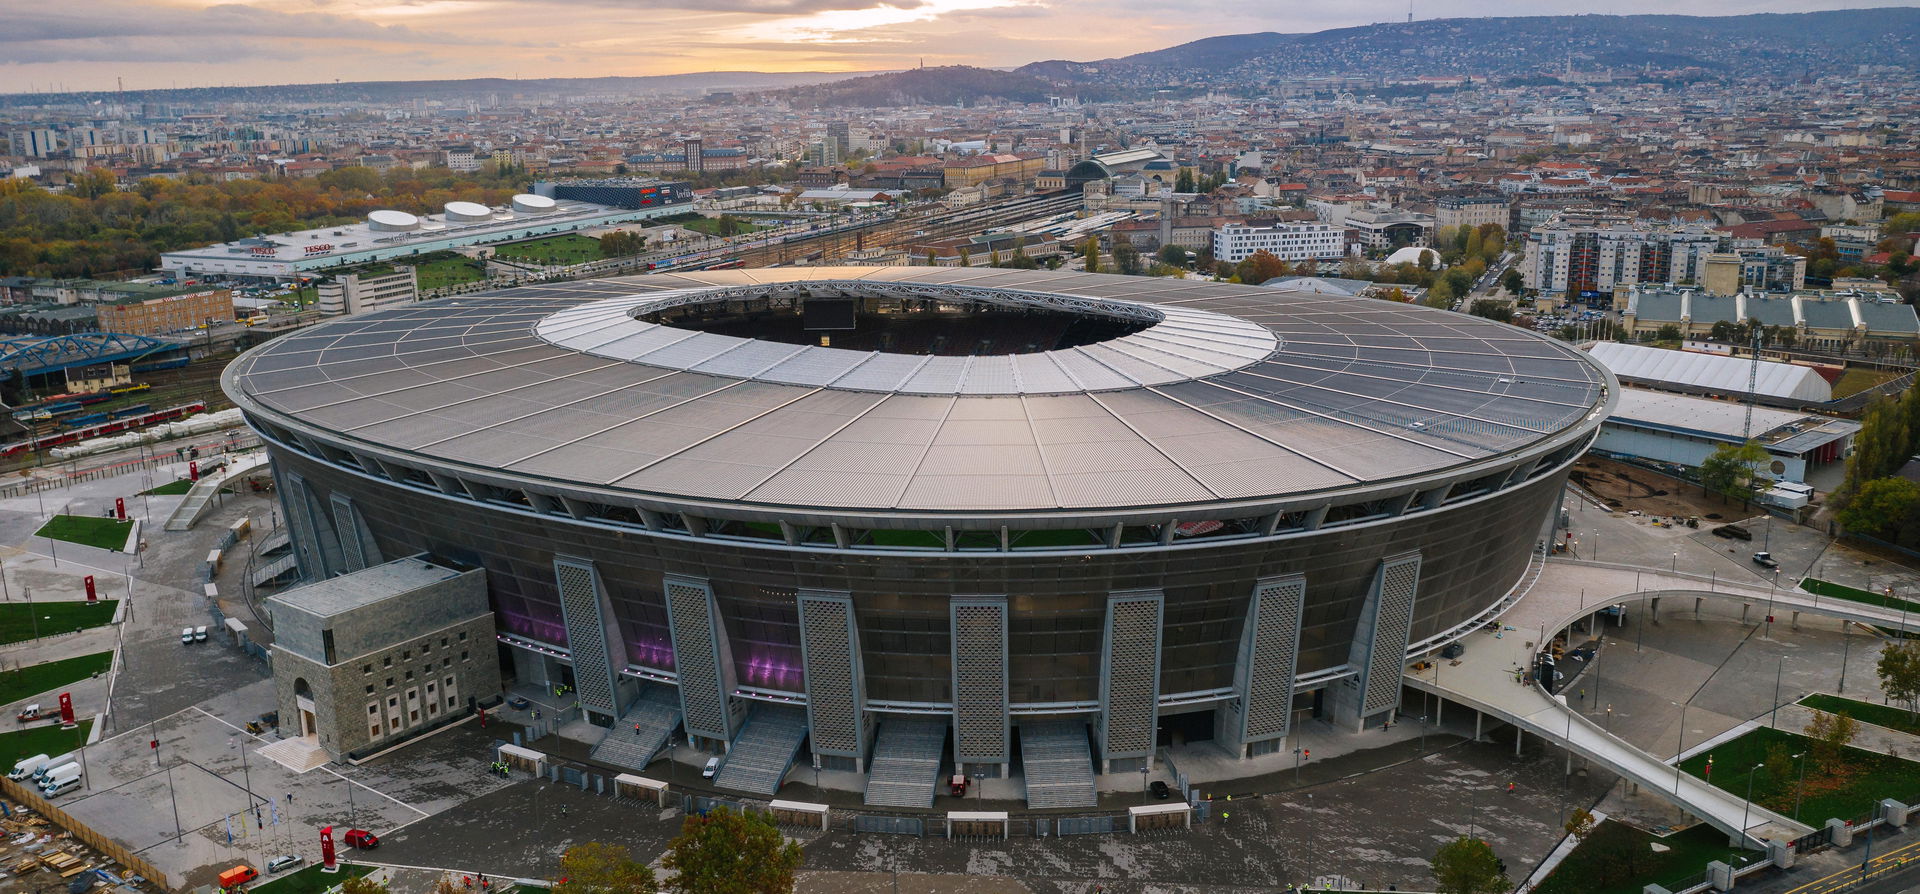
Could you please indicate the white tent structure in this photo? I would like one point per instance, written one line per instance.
(1727, 375)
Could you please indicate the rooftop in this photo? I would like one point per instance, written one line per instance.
(338, 595)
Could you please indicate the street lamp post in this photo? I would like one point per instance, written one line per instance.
(1748, 805)
(1799, 787)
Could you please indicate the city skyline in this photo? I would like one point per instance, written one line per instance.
(101, 44)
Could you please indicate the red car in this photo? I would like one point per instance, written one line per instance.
(362, 839)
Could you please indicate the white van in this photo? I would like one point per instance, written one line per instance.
(51, 764)
(712, 768)
(67, 772)
(60, 788)
(186, 635)
(200, 634)
(28, 766)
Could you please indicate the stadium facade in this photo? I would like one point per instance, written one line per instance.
(994, 504)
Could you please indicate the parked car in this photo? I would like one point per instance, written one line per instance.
(282, 864)
(1160, 789)
(1765, 560)
(711, 769)
(362, 839)
(30, 712)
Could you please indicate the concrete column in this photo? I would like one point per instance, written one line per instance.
(1894, 812)
(1744, 607)
(1720, 876)
(1780, 855)
(1795, 623)
(1696, 607)
(1841, 834)
(1653, 610)
(1477, 717)
(1519, 735)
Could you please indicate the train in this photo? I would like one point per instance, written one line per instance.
(55, 405)
(104, 427)
(158, 365)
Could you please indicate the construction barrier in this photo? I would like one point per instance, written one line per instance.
(640, 788)
(85, 834)
(798, 813)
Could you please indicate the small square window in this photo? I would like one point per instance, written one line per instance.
(387, 661)
(463, 654)
(366, 668)
(389, 682)
(443, 642)
(430, 688)
(406, 655)
(450, 702)
(369, 688)
(409, 675)
(373, 732)
(425, 648)
(373, 709)
(446, 662)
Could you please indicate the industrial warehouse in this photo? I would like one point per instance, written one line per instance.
(901, 520)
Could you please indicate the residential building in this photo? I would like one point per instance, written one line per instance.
(1472, 211)
(1757, 268)
(172, 313)
(1588, 260)
(32, 142)
(1233, 243)
(1385, 229)
(1824, 320)
(463, 158)
(368, 290)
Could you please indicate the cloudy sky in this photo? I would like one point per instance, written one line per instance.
(86, 44)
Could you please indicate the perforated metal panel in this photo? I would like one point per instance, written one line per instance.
(293, 504)
(980, 728)
(705, 672)
(1390, 608)
(581, 594)
(830, 649)
(1130, 673)
(1269, 653)
(323, 559)
(353, 539)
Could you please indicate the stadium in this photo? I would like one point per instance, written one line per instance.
(896, 520)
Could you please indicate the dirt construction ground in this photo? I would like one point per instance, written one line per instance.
(1626, 487)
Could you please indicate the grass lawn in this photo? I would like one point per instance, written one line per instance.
(48, 740)
(88, 530)
(1619, 859)
(1862, 781)
(566, 248)
(1842, 591)
(170, 489)
(18, 619)
(711, 226)
(310, 880)
(441, 272)
(1865, 712)
(1857, 379)
(37, 678)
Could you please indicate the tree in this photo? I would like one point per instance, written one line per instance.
(1901, 224)
(362, 884)
(1173, 255)
(1441, 295)
(1883, 508)
(1729, 471)
(1899, 670)
(1183, 181)
(1260, 267)
(600, 868)
(1126, 258)
(1580, 824)
(966, 257)
(1830, 734)
(731, 853)
(1468, 866)
(1512, 281)
(1090, 250)
(1668, 332)
(1492, 310)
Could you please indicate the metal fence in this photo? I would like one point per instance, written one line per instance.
(1086, 825)
(892, 825)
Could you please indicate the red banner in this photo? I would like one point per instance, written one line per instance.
(326, 847)
(193, 471)
(91, 595)
(66, 709)
(120, 508)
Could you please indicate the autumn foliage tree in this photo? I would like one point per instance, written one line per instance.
(725, 852)
(1260, 267)
(600, 868)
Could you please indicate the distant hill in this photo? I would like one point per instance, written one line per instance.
(469, 88)
(1781, 45)
(942, 86)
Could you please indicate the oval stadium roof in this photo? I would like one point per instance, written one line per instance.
(1711, 371)
(1229, 394)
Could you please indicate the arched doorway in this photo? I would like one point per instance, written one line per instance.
(303, 705)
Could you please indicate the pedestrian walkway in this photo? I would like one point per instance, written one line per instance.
(1486, 678)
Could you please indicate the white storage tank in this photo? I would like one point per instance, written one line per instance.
(467, 212)
(528, 203)
(390, 221)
